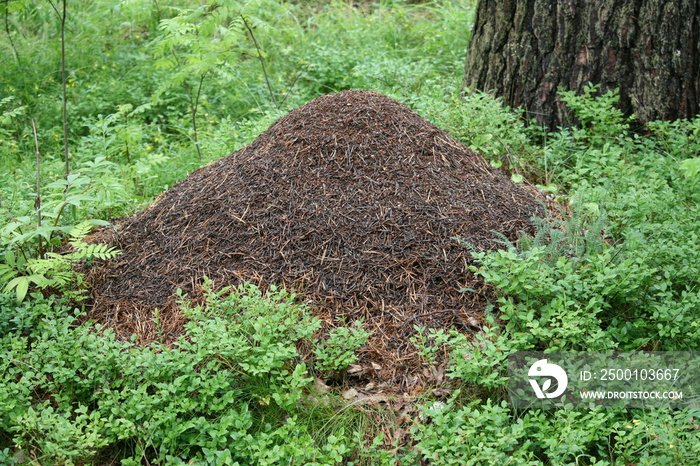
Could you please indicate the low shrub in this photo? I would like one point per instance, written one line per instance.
(232, 389)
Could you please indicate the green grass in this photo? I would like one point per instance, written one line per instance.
(620, 272)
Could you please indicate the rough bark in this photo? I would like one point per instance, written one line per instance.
(526, 50)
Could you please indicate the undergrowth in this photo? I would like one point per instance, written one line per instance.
(617, 268)
(232, 389)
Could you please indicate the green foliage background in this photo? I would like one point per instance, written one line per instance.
(155, 89)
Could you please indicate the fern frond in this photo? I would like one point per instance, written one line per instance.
(98, 251)
(80, 231)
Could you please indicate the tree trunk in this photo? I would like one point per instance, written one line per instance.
(526, 50)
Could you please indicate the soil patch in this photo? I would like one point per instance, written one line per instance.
(353, 201)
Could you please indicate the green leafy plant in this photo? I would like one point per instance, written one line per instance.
(473, 435)
(233, 388)
(337, 352)
(691, 167)
(117, 133)
(55, 271)
(9, 116)
(197, 43)
(30, 240)
(483, 431)
(599, 117)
